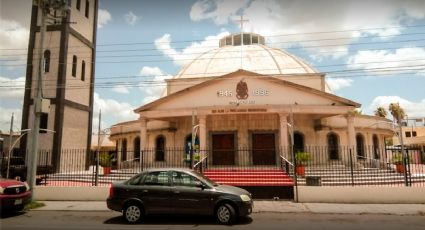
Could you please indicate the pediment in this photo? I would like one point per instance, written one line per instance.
(245, 88)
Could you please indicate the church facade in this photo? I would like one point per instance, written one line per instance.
(248, 96)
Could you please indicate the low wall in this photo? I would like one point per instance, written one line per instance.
(50, 193)
(306, 194)
(366, 195)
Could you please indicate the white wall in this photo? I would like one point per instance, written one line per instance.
(49, 193)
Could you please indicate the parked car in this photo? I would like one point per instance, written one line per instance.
(14, 195)
(177, 191)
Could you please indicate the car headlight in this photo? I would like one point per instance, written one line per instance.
(1, 190)
(245, 198)
(27, 186)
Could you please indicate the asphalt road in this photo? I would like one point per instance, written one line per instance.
(35, 220)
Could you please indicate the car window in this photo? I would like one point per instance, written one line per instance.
(184, 179)
(136, 180)
(156, 178)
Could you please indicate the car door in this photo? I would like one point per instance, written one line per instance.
(188, 196)
(155, 192)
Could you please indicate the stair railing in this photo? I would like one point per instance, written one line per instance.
(201, 164)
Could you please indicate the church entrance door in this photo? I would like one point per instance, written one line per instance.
(263, 149)
(223, 149)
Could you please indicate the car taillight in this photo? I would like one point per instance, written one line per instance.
(111, 191)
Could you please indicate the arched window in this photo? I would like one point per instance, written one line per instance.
(83, 71)
(46, 61)
(136, 148)
(360, 146)
(298, 142)
(160, 148)
(74, 66)
(87, 8)
(333, 146)
(124, 150)
(375, 146)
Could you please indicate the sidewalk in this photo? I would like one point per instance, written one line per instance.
(268, 206)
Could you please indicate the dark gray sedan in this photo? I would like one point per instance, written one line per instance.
(177, 191)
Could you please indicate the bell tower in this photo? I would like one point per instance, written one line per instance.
(63, 99)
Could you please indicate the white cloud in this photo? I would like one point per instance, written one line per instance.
(103, 18)
(156, 87)
(303, 18)
(5, 115)
(412, 109)
(336, 84)
(112, 111)
(385, 61)
(14, 88)
(120, 89)
(131, 18)
(163, 44)
(13, 41)
(219, 11)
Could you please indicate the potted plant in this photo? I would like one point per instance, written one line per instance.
(397, 160)
(105, 160)
(301, 159)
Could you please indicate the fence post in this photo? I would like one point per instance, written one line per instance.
(351, 167)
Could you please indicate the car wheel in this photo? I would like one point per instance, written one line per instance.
(225, 214)
(133, 213)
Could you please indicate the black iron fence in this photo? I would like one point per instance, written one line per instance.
(310, 166)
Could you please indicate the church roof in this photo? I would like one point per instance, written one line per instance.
(253, 56)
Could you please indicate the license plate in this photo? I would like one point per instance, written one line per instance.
(18, 201)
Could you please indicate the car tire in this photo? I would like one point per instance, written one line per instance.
(133, 213)
(225, 214)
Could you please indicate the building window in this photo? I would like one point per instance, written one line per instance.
(360, 146)
(46, 61)
(375, 146)
(333, 146)
(43, 122)
(83, 71)
(136, 147)
(413, 133)
(74, 66)
(160, 148)
(78, 4)
(87, 8)
(407, 134)
(124, 150)
(298, 142)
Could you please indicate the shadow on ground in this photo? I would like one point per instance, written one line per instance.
(177, 220)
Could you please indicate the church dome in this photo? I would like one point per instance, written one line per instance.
(252, 56)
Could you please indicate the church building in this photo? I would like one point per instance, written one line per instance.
(248, 96)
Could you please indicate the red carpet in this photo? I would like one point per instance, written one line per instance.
(249, 177)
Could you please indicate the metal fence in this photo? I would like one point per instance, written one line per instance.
(310, 166)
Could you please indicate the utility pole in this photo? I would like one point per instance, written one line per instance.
(10, 146)
(96, 179)
(45, 6)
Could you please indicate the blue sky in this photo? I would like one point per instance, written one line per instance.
(140, 41)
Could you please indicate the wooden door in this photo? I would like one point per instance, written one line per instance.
(263, 149)
(223, 149)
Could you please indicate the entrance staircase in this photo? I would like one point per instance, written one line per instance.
(267, 183)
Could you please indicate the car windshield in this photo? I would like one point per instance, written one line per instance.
(208, 180)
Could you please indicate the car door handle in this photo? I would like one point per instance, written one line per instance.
(145, 191)
(176, 192)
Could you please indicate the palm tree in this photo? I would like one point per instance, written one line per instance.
(380, 112)
(397, 112)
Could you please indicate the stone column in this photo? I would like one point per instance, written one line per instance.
(202, 134)
(351, 142)
(283, 129)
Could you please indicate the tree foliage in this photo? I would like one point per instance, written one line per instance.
(396, 111)
(380, 112)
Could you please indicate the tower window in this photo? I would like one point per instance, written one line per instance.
(83, 71)
(87, 8)
(160, 148)
(78, 4)
(74, 66)
(46, 61)
(43, 122)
